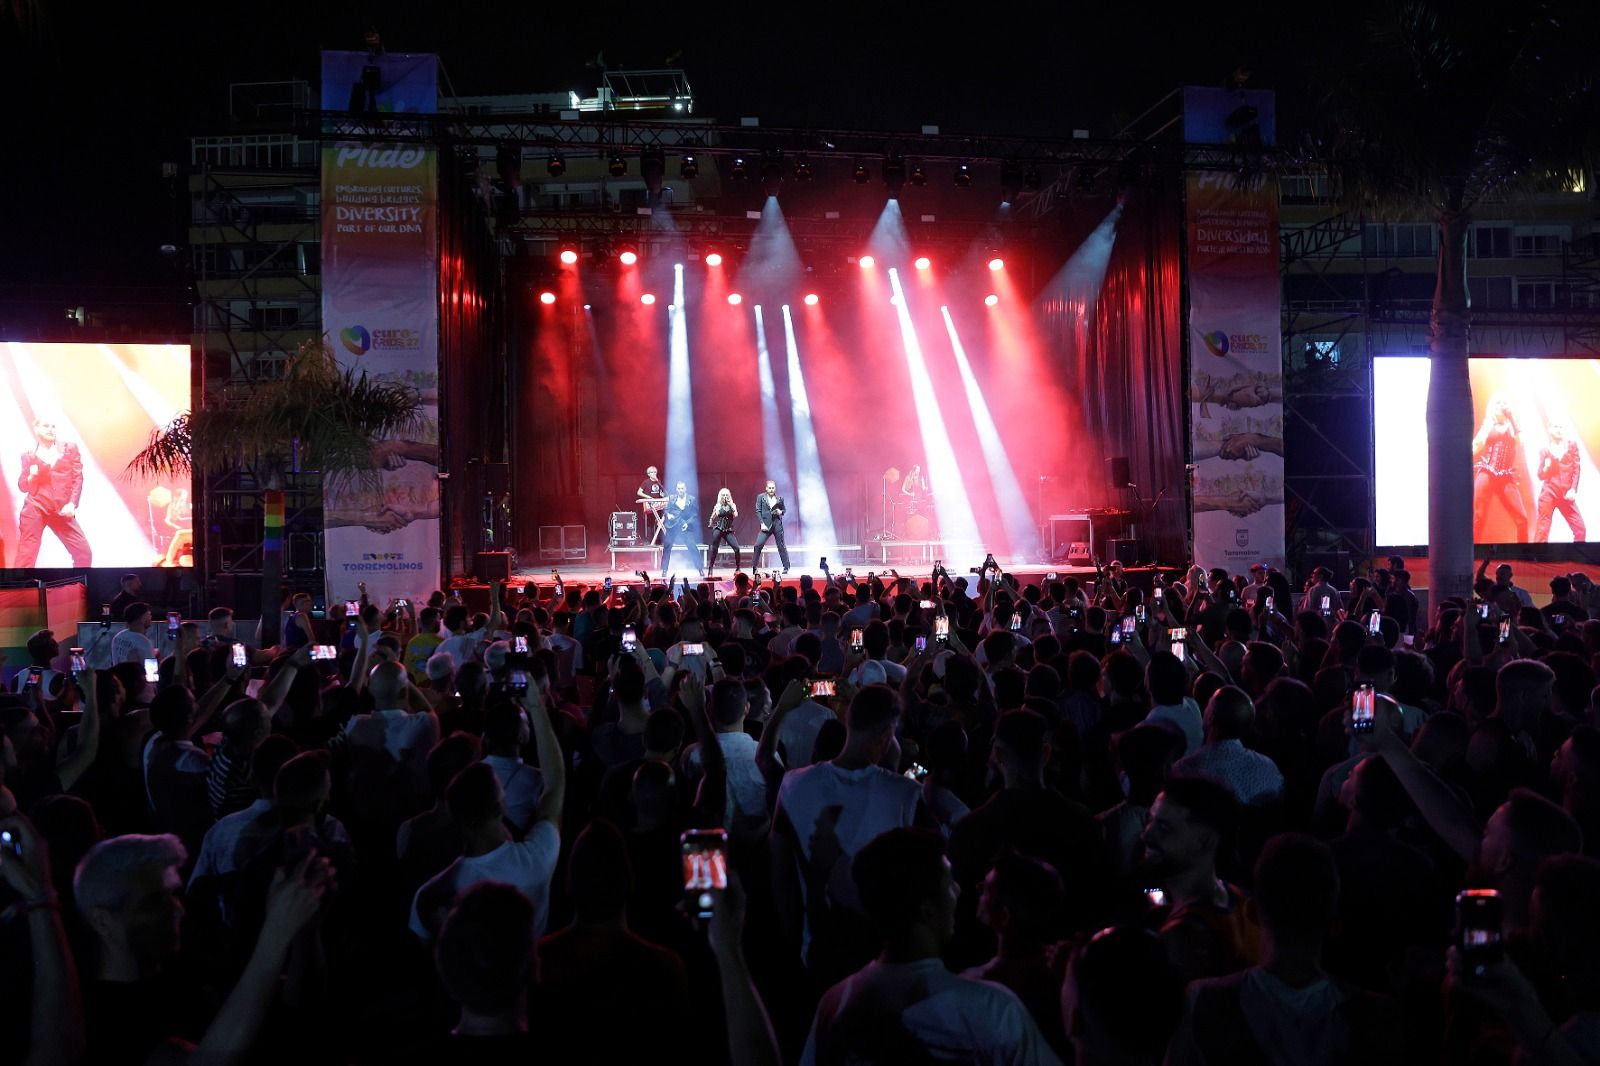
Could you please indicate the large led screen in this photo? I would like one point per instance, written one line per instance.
(71, 416)
(1536, 428)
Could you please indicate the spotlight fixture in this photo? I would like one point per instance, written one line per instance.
(569, 255)
(689, 169)
(653, 168)
(556, 165)
(627, 256)
(740, 171)
(991, 299)
(802, 168)
(1010, 181)
(867, 262)
(860, 175)
(647, 299)
(772, 172)
(996, 263)
(963, 176)
(735, 299)
(919, 177)
(922, 262)
(713, 259)
(811, 299)
(894, 175)
(547, 298)
(617, 165)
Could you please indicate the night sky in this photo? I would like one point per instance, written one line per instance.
(96, 102)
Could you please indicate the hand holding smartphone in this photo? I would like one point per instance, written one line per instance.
(1364, 710)
(630, 640)
(705, 868)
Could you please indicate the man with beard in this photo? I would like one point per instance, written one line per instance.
(52, 481)
(1206, 927)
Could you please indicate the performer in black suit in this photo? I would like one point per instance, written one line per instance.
(769, 512)
(52, 480)
(682, 520)
(723, 515)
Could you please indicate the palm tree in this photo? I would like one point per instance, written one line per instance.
(330, 419)
(1448, 104)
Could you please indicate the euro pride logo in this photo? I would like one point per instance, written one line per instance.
(358, 340)
(383, 557)
(1220, 344)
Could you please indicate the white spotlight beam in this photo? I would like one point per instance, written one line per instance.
(681, 462)
(957, 525)
(771, 430)
(816, 515)
(1021, 534)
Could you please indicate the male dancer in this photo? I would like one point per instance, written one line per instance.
(682, 519)
(52, 481)
(769, 512)
(652, 498)
(1559, 465)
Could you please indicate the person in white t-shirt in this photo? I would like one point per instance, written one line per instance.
(389, 747)
(132, 645)
(477, 805)
(505, 733)
(827, 812)
(904, 1006)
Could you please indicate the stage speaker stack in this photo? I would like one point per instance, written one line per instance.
(494, 566)
(1124, 550)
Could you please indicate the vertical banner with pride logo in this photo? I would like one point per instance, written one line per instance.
(1235, 339)
(380, 246)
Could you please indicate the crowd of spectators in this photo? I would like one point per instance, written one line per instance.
(970, 819)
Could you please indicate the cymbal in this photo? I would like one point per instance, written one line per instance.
(891, 474)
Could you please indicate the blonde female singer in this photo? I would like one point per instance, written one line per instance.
(721, 522)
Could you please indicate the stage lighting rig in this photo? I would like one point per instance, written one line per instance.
(568, 254)
(653, 169)
(740, 171)
(860, 175)
(617, 165)
(963, 176)
(556, 165)
(919, 177)
(802, 168)
(627, 254)
(894, 175)
(689, 168)
(1010, 181)
(772, 172)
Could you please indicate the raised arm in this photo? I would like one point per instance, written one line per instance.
(56, 1029)
(72, 767)
(551, 763)
(214, 698)
(711, 801)
(1439, 805)
(277, 690)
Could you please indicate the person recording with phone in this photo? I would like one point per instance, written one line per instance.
(769, 512)
(52, 480)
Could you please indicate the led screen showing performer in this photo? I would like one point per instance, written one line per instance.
(71, 417)
(1536, 426)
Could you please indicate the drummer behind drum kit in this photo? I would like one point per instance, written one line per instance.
(905, 517)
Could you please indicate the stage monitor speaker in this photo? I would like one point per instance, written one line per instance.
(1121, 474)
(1338, 563)
(624, 529)
(1078, 554)
(494, 566)
(1124, 550)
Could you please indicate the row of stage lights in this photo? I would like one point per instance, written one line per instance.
(734, 299)
(770, 167)
(627, 255)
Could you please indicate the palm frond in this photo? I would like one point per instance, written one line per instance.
(168, 454)
(327, 417)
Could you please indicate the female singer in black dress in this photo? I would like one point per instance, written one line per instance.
(1497, 470)
(723, 516)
